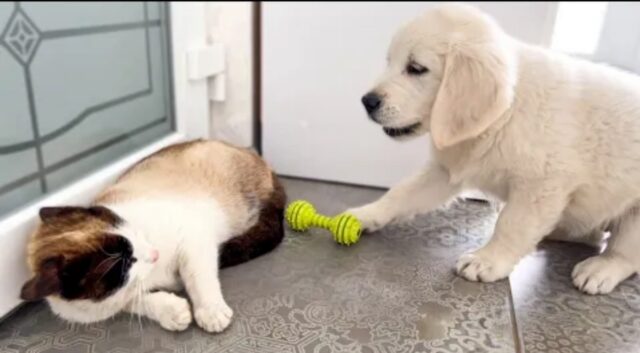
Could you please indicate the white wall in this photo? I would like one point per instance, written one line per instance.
(231, 23)
(619, 43)
(320, 58)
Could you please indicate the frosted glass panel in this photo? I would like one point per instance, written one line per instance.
(18, 165)
(14, 105)
(72, 15)
(19, 196)
(6, 8)
(82, 85)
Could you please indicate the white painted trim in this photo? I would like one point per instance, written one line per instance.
(189, 33)
(206, 61)
(192, 121)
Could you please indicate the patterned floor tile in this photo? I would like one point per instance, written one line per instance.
(554, 317)
(395, 291)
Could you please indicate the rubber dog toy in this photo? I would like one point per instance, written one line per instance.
(301, 215)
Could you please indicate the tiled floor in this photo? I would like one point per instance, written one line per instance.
(554, 317)
(395, 291)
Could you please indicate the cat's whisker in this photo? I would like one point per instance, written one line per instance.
(107, 253)
(110, 267)
(108, 259)
(140, 306)
(103, 261)
(144, 292)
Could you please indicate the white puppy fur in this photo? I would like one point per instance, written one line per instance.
(555, 138)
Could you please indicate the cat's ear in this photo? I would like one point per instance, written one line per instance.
(104, 214)
(46, 282)
(49, 213)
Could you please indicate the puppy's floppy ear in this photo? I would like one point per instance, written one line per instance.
(477, 88)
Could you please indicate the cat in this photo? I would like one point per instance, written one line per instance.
(165, 225)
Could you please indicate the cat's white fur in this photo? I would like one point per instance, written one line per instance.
(186, 233)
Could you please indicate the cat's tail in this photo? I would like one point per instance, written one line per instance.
(263, 237)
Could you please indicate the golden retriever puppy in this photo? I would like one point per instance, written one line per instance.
(554, 137)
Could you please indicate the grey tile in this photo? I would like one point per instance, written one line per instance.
(553, 316)
(394, 291)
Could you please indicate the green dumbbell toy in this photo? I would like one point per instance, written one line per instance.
(301, 215)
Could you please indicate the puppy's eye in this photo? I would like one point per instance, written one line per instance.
(414, 68)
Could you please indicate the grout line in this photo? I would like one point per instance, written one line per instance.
(363, 186)
(333, 182)
(257, 76)
(5, 318)
(517, 335)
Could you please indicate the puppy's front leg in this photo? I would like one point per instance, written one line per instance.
(420, 193)
(529, 215)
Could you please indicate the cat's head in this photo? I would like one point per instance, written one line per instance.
(84, 253)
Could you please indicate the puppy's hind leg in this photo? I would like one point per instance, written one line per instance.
(594, 238)
(531, 212)
(602, 273)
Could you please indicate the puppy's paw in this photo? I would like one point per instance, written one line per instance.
(214, 317)
(601, 274)
(484, 266)
(371, 217)
(175, 314)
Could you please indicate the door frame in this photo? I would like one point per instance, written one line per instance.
(188, 32)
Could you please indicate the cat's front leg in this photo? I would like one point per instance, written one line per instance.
(169, 310)
(199, 272)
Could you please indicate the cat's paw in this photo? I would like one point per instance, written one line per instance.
(175, 314)
(214, 317)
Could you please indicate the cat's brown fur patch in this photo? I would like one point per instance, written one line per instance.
(68, 232)
(71, 254)
(235, 177)
(239, 179)
(264, 236)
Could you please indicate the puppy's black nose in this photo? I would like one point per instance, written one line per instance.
(371, 102)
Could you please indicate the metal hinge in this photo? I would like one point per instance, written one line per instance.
(208, 63)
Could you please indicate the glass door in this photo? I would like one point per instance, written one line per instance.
(82, 84)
